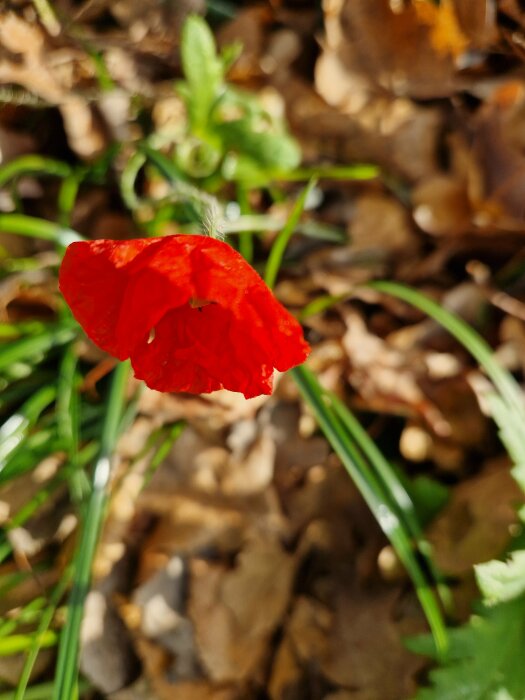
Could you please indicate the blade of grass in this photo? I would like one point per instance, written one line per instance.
(222, 8)
(28, 614)
(32, 165)
(67, 196)
(84, 457)
(9, 331)
(42, 691)
(394, 487)
(376, 498)
(246, 236)
(17, 426)
(67, 414)
(37, 345)
(338, 172)
(15, 643)
(34, 227)
(320, 304)
(279, 246)
(162, 450)
(42, 629)
(19, 390)
(30, 453)
(47, 16)
(129, 178)
(371, 490)
(67, 664)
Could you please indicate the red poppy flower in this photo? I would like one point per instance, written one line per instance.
(189, 311)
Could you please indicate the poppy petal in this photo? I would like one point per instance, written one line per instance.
(191, 313)
(93, 281)
(199, 350)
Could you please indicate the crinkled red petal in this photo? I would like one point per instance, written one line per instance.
(133, 299)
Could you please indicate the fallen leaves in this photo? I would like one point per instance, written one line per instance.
(252, 565)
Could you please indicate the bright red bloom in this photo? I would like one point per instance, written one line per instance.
(189, 311)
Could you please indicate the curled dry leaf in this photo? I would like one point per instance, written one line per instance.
(387, 377)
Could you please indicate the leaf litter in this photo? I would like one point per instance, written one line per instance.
(248, 566)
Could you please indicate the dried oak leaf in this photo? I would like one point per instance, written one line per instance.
(474, 526)
(236, 612)
(356, 645)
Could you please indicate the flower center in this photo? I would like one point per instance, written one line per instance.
(199, 303)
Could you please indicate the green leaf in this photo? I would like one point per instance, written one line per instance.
(485, 659)
(202, 68)
(501, 581)
(229, 54)
(429, 496)
(269, 149)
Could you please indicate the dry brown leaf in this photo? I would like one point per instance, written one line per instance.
(38, 68)
(365, 649)
(356, 645)
(446, 35)
(475, 525)
(286, 676)
(209, 413)
(382, 223)
(477, 21)
(498, 149)
(402, 60)
(236, 612)
(386, 377)
(188, 526)
(157, 684)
